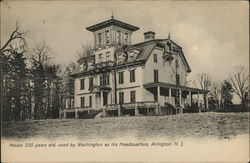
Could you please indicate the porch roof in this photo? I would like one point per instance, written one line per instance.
(167, 85)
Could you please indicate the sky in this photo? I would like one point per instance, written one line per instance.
(214, 35)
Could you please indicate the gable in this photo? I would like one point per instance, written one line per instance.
(149, 46)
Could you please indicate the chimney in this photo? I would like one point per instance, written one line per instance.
(150, 35)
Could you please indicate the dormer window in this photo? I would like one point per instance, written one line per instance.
(100, 57)
(84, 65)
(107, 36)
(168, 47)
(121, 57)
(131, 55)
(108, 56)
(91, 64)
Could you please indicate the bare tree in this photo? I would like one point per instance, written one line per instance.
(16, 36)
(41, 55)
(215, 92)
(86, 51)
(205, 83)
(40, 60)
(240, 83)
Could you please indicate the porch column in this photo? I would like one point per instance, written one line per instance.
(180, 101)
(206, 101)
(158, 94)
(180, 97)
(119, 110)
(102, 107)
(190, 100)
(76, 113)
(101, 99)
(64, 114)
(158, 101)
(104, 111)
(136, 109)
(198, 100)
(170, 95)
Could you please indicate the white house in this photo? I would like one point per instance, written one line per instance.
(120, 78)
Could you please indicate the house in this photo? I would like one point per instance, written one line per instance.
(121, 78)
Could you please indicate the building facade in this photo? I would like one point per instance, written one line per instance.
(121, 78)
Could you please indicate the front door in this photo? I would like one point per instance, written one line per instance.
(105, 98)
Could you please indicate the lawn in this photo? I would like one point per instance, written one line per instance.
(198, 125)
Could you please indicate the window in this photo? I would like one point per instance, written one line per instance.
(99, 38)
(132, 55)
(100, 57)
(82, 101)
(108, 56)
(90, 101)
(120, 77)
(121, 97)
(107, 35)
(90, 82)
(177, 66)
(132, 75)
(155, 58)
(104, 79)
(82, 84)
(177, 79)
(126, 38)
(155, 75)
(107, 79)
(118, 36)
(101, 80)
(132, 96)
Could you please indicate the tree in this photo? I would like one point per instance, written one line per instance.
(13, 74)
(215, 93)
(17, 35)
(240, 84)
(39, 60)
(18, 89)
(52, 90)
(227, 94)
(205, 83)
(68, 89)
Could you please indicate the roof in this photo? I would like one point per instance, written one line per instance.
(149, 32)
(148, 46)
(168, 85)
(110, 22)
(146, 49)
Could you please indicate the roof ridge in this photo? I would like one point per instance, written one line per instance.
(149, 41)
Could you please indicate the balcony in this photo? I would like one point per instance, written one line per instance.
(99, 88)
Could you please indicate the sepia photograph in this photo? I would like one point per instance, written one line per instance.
(124, 81)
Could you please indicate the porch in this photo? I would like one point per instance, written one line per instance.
(181, 97)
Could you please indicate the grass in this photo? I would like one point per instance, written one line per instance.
(199, 125)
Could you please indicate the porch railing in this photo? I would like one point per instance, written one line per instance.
(144, 104)
(86, 108)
